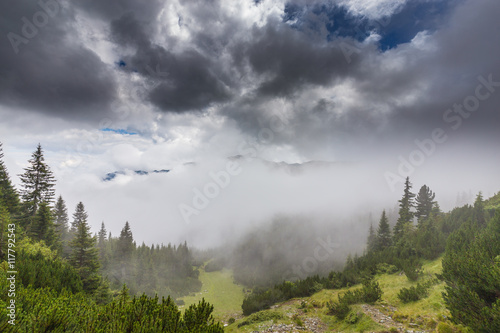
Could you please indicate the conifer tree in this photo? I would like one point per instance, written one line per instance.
(84, 254)
(61, 219)
(8, 194)
(383, 233)
(79, 216)
(102, 236)
(101, 244)
(478, 214)
(42, 227)
(37, 183)
(424, 203)
(126, 242)
(372, 239)
(405, 213)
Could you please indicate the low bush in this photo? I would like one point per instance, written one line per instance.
(338, 309)
(260, 317)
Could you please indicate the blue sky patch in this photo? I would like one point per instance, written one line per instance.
(119, 131)
(415, 16)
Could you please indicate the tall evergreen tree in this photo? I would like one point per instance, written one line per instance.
(372, 239)
(478, 214)
(8, 194)
(102, 244)
(42, 227)
(424, 203)
(405, 214)
(37, 183)
(61, 220)
(101, 240)
(79, 216)
(84, 254)
(384, 238)
(126, 242)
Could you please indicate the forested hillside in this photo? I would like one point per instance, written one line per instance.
(468, 236)
(57, 276)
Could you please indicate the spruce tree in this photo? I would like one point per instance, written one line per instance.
(42, 228)
(478, 214)
(372, 239)
(102, 236)
(8, 194)
(101, 244)
(126, 242)
(424, 203)
(84, 254)
(61, 219)
(79, 216)
(384, 239)
(405, 213)
(37, 183)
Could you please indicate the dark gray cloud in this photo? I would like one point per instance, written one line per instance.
(43, 67)
(290, 60)
(185, 81)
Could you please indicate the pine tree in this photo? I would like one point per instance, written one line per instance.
(101, 244)
(61, 219)
(384, 239)
(372, 239)
(126, 242)
(80, 216)
(38, 183)
(42, 228)
(405, 213)
(424, 203)
(84, 254)
(478, 214)
(102, 236)
(8, 194)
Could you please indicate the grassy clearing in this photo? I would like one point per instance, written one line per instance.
(219, 289)
(431, 307)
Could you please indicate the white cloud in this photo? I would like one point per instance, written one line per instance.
(373, 9)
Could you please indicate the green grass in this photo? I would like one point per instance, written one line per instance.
(219, 290)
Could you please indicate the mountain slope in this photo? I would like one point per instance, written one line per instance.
(310, 314)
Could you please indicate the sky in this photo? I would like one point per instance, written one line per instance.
(234, 97)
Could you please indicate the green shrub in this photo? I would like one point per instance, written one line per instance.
(260, 317)
(296, 319)
(352, 318)
(444, 328)
(385, 268)
(338, 309)
(411, 269)
(231, 321)
(412, 294)
(371, 292)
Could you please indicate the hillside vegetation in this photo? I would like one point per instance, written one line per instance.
(386, 315)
